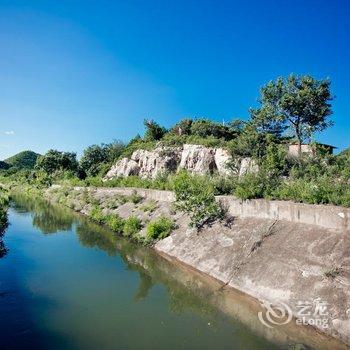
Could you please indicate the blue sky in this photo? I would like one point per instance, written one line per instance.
(75, 73)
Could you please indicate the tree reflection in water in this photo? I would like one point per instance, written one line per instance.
(3, 249)
(46, 217)
(151, 268)
(96, 236)
(3, 226)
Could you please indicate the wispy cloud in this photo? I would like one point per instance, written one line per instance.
(10, 132)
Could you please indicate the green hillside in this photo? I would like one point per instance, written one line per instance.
(345, 153)
(24, 159)
(3, 165)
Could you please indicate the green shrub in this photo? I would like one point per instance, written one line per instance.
(135, 197)
(94, 181)
(195, 196)
(96, 214)
(259, 185)
(132, 225)
(223, 184)
(115, 223)
(249, 186)
(322, 190)
(112, 204)
(150, 206)
(159, 228)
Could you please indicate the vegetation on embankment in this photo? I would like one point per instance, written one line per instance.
(140, 218)
(131, 216)
(287, 113)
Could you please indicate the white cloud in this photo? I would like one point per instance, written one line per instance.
(11, 132)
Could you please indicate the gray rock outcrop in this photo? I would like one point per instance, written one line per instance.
(124, 167)
(222, 161)
(157, 161)
(248, 165)
(196, 159)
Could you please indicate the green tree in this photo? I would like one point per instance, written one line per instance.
(183, 127)
(195, 196)
(114, 150)
(205, 127)
(250, 142)
(299, 104)
(92, 159)
(154, 131)
(96, 157)
(55, 160)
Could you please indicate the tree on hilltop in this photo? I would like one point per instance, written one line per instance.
(299, 104)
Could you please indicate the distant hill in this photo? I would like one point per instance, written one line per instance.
(24, 159)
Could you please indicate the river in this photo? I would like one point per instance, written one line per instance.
(66, 283)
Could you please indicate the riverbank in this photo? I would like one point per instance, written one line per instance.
(257, 252)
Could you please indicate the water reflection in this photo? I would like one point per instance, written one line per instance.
(3, 248)
(95, 236)
(46, 217)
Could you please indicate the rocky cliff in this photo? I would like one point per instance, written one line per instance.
(193, 158)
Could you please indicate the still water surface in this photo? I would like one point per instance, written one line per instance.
(67, 283)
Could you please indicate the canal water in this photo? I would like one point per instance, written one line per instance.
(66, 283)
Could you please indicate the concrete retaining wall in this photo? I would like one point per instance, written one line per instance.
(327, 216)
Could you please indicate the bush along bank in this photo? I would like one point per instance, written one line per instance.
(133, 216)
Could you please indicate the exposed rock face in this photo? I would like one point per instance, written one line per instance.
(157, 161)
(222, 159)
(248, 165)
(198, 159)
(124, 167)
(193, 158)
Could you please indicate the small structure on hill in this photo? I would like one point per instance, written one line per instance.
(311, 149)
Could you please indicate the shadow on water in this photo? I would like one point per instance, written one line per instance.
(3, 248)
(188, 291)
(3, 226)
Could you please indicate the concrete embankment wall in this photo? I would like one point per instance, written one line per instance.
(327, 216)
